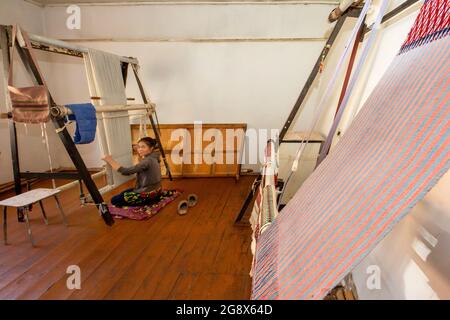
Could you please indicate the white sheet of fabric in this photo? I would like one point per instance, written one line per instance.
(105, 80)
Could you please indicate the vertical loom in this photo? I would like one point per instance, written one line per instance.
(107, 77)
(394, 152)
(111, 105)
(299, 103)
(297, 108)
(106, 85)
(82, 171)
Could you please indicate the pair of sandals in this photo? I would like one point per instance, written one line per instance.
(184, 205)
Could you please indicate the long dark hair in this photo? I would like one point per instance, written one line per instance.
(150, 142)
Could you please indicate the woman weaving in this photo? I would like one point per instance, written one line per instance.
(148, 180)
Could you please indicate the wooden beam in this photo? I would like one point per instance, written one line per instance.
(396, 11)
(299, 103)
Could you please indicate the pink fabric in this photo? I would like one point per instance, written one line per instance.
(145, 212)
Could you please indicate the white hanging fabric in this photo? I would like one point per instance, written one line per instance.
(105, 81)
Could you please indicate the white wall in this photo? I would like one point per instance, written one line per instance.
(33, 155)
(187, 21)
(28, 15)
(215, 63)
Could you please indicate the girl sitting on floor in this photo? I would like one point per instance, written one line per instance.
(148, 181)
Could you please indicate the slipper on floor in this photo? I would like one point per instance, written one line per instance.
(192, 200)
(182, 207)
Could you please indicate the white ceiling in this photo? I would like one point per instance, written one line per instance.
(47, 2)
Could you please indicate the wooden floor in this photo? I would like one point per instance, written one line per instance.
(201, 255)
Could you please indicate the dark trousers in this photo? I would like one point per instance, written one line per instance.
(119, 200)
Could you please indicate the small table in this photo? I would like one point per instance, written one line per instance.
(23, 202)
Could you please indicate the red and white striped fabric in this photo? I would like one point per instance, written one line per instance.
(432, 23)
(394, 152)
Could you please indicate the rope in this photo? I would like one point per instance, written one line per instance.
(47, 146)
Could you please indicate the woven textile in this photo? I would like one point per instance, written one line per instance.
(105, 81)
(432, 23)
(148, 211)
(394, 152)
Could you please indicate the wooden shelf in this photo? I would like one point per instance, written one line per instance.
(203, 169)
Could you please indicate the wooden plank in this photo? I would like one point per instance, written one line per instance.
(163, 257)
(158, 283)
(312, 76)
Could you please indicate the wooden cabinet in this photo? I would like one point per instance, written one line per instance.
(213, 151)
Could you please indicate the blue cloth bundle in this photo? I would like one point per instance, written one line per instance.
(86, 119)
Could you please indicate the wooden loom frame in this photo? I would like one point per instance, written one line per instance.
(351, 12)
(299, 103)
(82, 174)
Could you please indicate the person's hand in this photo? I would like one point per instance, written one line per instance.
(107, 158)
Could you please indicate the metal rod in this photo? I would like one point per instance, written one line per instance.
(77, 182)
(102, 191)
(27, 220)
(62, 111)
(58, 204)
(113, 108)
(43, 212)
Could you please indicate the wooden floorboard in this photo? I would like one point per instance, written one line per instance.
(201, 255)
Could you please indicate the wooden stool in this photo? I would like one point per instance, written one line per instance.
(23, 202)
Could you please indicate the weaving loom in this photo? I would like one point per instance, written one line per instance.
(106, 75)
(394, 152)
(265, 209)
(106, 81)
